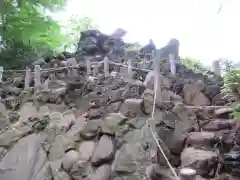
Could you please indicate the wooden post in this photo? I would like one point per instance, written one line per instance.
(37, 78)
(130, 74)
(187, 174)
(216, 68)
(172, 63)
(106, 66)
(1, 73)
(88, 65)
(27, 80)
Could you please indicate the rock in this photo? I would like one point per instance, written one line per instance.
(113, 121)
(223, 112)
(13, 117)
(58, 147)
(104, 151)
(13, 135)
(231, 163)
(62, 122)
(76, 129)
(202, 161)
(86, 149)
(102, 173)
(96, 113)
(13, 165)
(80, 170)
(218, 100)
(69, 159)
(148, 98)
(201, 138)
(193, 96)
(216, 125)
(132, 107)
(164, 82)
(156, 172)
(45, 173)
(28, 110)
(4, 123)
(91, 129)
(225, 176)
(212, 90)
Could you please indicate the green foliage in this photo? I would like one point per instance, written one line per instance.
(226, 65)
(231, 90)
(72, 28)
(27, 31)
(194, 65)
(231, 87)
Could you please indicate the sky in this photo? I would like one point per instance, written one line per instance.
(203, 33)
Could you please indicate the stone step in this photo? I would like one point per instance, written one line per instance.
(214, 125)
(201, 139)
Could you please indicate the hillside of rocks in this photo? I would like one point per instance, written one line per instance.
(79, 127)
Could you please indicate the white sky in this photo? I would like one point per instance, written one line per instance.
(203, 33)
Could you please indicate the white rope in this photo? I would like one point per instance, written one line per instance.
(154, 134)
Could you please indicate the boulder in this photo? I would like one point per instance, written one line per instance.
(193, 96)
(132, 108)
(69, 159)
(86, 149)
(204, 162)
(13, 165)
(104, 151)
(102, 173)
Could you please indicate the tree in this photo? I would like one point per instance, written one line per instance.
(26, 31)
(72, 28)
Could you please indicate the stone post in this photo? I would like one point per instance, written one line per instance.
(27, 80)
(106, 66)
(172, 63)
(187, 174)
(216, 68)
(37, 78)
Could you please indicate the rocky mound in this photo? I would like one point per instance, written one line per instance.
(83, 127)
(97, 131)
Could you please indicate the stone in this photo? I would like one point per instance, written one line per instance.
(13, 117)
(130, 158)
(231, 162)
(164, 82)
(58, 147)
(193, 96)
(216, 125)
(28, 110)
(148, 98)
(96, 113)
(132, 108)
(200, 160)
(13, 165)
(45, 173)
(61, 122)
(91, 129)
(223, 112)
(218, 100)
(102, 173)
(86, 149)
(80, 170)
(13, 135)
(69, 159)
(201, 138)
(156, 172)
(104, 151)
(113, 121)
